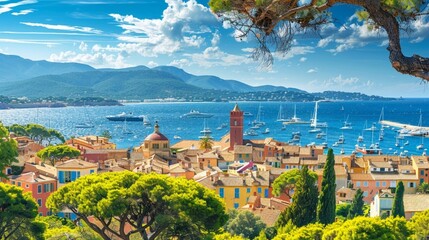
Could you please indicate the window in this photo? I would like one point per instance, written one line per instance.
(237, 192)
(239, 156)
(236, 205)
(393, 184)
(358, 184)
(221, 192)
(67, 176)
(266, 192)
(248, 190)
(49, 213)
(67, 215)
(165, 145)
(259, 190)
(411, 184)
(383, 184)
(40, 214)
(155, 146)
(39, 201)
(19, 184)
(91, 171)
(26, 185)
(146, 145)
(39, 188)
(422, 172)
(377, 184)
(235, 123)
(365, 193)
(247, 155)
(421, 180)
(13, 182)
(365, 184)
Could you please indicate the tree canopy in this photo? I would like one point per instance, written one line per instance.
(57, 153)
(302, 211)
(419, 224)
(8, 150)
(287, 181)
(152, 205)
(37, 133)
(273, 24)
(356, 208)
(244, 223)
(18, 212)
(398, 201)
(206, 143)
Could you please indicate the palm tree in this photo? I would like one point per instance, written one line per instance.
(206, 143)
(423, 188)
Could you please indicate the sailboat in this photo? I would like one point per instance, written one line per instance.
(381, 119)
(125, 129)
(314, 124)
(295, 119)
(420, 131)
(373, 149)
(257, 122)
(346, 124)
(146, 120)
(206, 131)
(280, 117)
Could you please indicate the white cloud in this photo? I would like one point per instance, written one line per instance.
(152, 64)
(63, 27)
(295, 51)
(28, 41)
(83, 46)
(183, 25)
(340, 81)
(180, 63)
(94, 59)
(312, 70)
(303, 59)
(215, 39)
(213, 56)
(22, 12)
(9, 6)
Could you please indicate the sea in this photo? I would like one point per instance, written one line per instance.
(360, 114)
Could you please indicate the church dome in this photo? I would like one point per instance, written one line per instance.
(156, 135)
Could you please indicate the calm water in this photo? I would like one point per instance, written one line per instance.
(168, 114)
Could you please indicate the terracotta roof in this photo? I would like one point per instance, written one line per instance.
(394, 176)
(75, 164)
(156, 136)
(268, 215)
(420, 161)
(291, 149)
(291, 160)
(243, 149)
(416, 202)
(32, 177)
(322, 159)
(381, 164)
(207, 155)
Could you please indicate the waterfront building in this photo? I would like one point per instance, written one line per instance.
(90, 142)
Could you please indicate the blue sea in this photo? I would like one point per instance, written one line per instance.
(360, 114)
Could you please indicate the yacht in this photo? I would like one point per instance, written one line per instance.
(346, 125)
(314, 123)
(372, 128)
(177, 137)
(267, 130)
(295, 119)
(146, 121)
(341, 139)
(360, 138)
(84, 125)
(121, 117)
(251, 132)
(280, 117)
(196, 114)
(247, 114)
(373, 149)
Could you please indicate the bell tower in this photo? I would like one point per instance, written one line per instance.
(235, 127)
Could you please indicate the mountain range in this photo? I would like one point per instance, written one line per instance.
(38, 79)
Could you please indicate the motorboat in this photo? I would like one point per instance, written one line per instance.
(84, 125)
(129, 117)
(177, 137)
(196, 114)
(267, 130)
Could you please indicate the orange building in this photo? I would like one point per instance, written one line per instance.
(40, 187)
(91, 142)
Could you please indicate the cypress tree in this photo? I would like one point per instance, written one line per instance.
(326, 205)
(302, 211)
(398, 202)
(357, 205)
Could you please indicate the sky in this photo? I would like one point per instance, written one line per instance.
(344, 56)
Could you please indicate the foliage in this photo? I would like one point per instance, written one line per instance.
(8, 150)
(18, 212)
(272, 24)
(356, 209)
(327, 201)
(37, 132)
(106, 134)
(206, 143)
(398, 201)
(261, 236)
(342, 210)
(153, 205)
(64, 229)
(302, 211)
(286, 182)
(245, 224)
(308, 232)
(419, 224)
(423, 188)
(53, 154)
(227, 236)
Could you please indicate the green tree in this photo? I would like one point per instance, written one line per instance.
(273, 23)
(206, 143)
(308, 232)
(326, 205)
(244, 223)
(64, 229)
(398, 201)
(342, 210)
(18, 130)
(419, 225)
(53, 154)
(106, 134)
(356, 209)
(286, 182)
(227, 236)
(8, 150)
(423, 188)
(18, 212)
(151, 204)
(39, 134)
(302, 211)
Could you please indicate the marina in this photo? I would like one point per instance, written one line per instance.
(405, 113)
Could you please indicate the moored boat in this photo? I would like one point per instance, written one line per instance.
(129, 117)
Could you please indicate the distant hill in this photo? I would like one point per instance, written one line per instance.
(15, 68)
(110, 84)
(336, 95)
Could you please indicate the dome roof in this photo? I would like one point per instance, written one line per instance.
(156, 135)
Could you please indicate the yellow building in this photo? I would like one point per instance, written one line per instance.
(236, 190)
(155, 143)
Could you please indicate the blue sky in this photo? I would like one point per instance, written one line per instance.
(347, 56)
